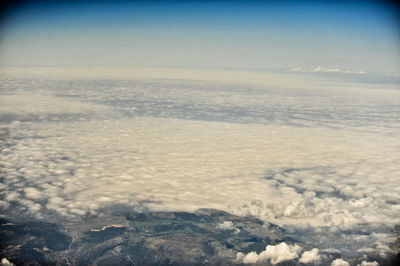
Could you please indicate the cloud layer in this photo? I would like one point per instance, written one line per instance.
(292, 158)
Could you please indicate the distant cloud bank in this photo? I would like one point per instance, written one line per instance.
(321, 69)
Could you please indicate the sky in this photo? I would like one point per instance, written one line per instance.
(246, 35)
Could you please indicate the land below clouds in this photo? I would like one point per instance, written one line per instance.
(206, 236)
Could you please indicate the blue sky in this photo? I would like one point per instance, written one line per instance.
(203, 34)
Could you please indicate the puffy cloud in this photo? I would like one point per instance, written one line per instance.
(252, 257)
(240, 256)
(311, 256)
(228, 225)
(6, 262)
(340, 262)
(274, 253)
(32, 193)
(281, 252)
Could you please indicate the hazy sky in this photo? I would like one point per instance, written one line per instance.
(203, 34)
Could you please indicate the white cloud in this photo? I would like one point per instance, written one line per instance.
(6, 262)
(355, 71)
(331, 250)
(240, 256)
(310, 256)
(32, 193)
(324, 69)
(226, 225)
(321, 69)
(340, 262)
(298, 69)
(251, 257)
(366, 250)
(281, 252)
(274, 253)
